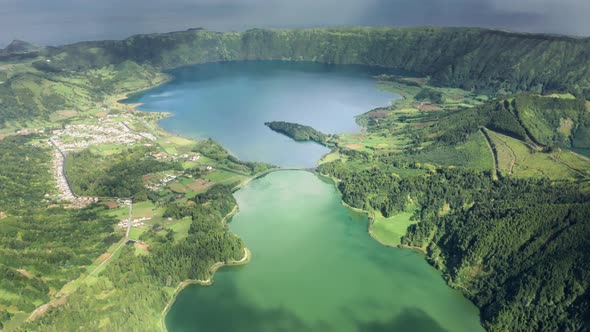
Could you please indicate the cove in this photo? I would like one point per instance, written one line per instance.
(230, 102)
(315, 268)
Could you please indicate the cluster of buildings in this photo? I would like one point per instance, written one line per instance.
(134, 223)
(106, 131)
(186, 157)
(63, 187)
(64, 191)
(80, 136)
(177, 157)
(156, 185)
(28, 131)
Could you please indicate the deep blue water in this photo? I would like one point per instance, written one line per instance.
(230, 102)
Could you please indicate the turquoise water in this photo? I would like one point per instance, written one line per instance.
(315, 268)
(230, 102)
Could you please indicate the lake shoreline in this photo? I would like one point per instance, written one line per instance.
(207, 282)
(133, 107)
(369, 215)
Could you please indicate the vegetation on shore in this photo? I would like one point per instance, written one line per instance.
(299, 132)
(511, 237)
(461, 57)
(143, 284)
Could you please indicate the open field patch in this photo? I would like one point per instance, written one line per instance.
(200, 184)
(389, 231)
(354, 146)
(426, 106)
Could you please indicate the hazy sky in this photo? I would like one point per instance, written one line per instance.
(54, 22)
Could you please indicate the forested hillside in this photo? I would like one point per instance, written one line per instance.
(113, 176)
(42, 247)
(133, 290)
(541, 120)
(27, 93)
(517, 247)
(463, 57)
(24, 179)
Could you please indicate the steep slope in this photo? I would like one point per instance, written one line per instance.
(464, 57)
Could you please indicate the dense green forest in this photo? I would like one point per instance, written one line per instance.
(118, 175)
(41, 247)
(516, 247)
(24, 179)
(298, 132)
(430, 95)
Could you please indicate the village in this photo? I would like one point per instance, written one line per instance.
(75, 137)
(106, 131)
(139, 222)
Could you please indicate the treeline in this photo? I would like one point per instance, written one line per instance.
(133, 290)
(212, 150)
(470, 58)
(516, 247)
(119, 175)
(298, 132)
(218, 197)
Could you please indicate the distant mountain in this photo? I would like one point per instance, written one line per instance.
(20, 47)
(470, 58)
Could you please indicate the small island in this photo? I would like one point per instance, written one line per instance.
(299, 133)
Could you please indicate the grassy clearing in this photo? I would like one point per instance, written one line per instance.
(223, 177)
(389, 231)
(180, 228)
(332, 156)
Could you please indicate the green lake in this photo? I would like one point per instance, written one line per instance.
(315, 268)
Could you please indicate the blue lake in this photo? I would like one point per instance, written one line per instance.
(230, 102)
